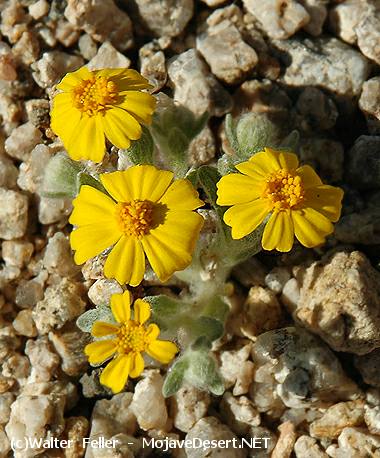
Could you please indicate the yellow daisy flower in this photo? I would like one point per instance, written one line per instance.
(127, 340)
(98, 104)
(298, 202)
(144, 212)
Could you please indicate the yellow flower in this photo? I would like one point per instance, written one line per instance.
(127, 340)
(100, 103)
(146, 212)
(298, 202)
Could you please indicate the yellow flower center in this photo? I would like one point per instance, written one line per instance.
(131, 337)
(93, 95)
(136, 217)
(284, 190)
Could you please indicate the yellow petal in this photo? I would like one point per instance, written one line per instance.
(279, 232)
(310, 227)
(141, 105)
(237, 189)
(65, 118)
(120, 127)
(115, 374)
(87, 139)
(245, 218)
(152, 332)
(121, 306)
(309, 177)
(260, 164)
(137, 364)
(93, 207)
(138, 182)
(141, 311)
(287, 161)
(169, 246)
(162, 350)
(101, 329)
(126, 79)
(89, 241)
(70, 80)
(181, 195)
(126, 262)
(326, 200)
(100, 351)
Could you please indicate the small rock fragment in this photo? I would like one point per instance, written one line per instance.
(285, 442)
(13, 214)
(31, 171)
(22, 141)
(58, 257)
(101, 291)
(236, 369)
(43, 359)
(276, 279)
(102, 20)
(148, 403)
(195, 87)
(355, 442)
(279, 19)
(108, 57)
(239, 413)
(369, 367)
(70, 347)
(76, 429)
(53, 65)
(363, 165)
(24, 324)
(16, 252)
(307, 447)
(188, 406)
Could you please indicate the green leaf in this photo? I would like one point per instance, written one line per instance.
(141, 151)
(217, 309)
(208, 327)
(60, 178)
(230, 129)
(100, 313)
(203, 372)
(86, 179)
(175, 377)
(164, 309)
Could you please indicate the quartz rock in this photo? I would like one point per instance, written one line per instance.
(195, 87)
(363, 165)
(369, 103)
(239, 413)
(213, 3)
(110, 418)
(6, 400)
(28, 293)
(202, 148)
(101, 291)
(317, 10)
(295, 369)
(16, 252)
(307, 447)
(324, 62)
(279, 20)
(35, 417)
(70, 347)
(285, 442)
(210, 428)
(316, 110)
(54, 210)
(276, 279)
(58, 257)
(148, 403)
(339, 301)
(39, 9)
(102, 20)
(153, 65)
(230, 67)
(13, 214)
(24, 324)
(261, 312)
(336, 418)
(325, 156)
(91, 386)
(87, 46)
(268, 443)
(22, 140)
(369, 367)
(372, 418)
(5, 445)
(31, 171)
(355, 442)
(27, 48)
(359, 22)
(38, 112)
(66, 33)
(53, 65)
(167, 17)
(61, 303)
(108, 57)
(8, 173)
(76, 429)
(43, 359)
(236, 370)
(188, 406)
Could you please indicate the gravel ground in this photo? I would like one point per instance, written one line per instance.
(301, 356)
